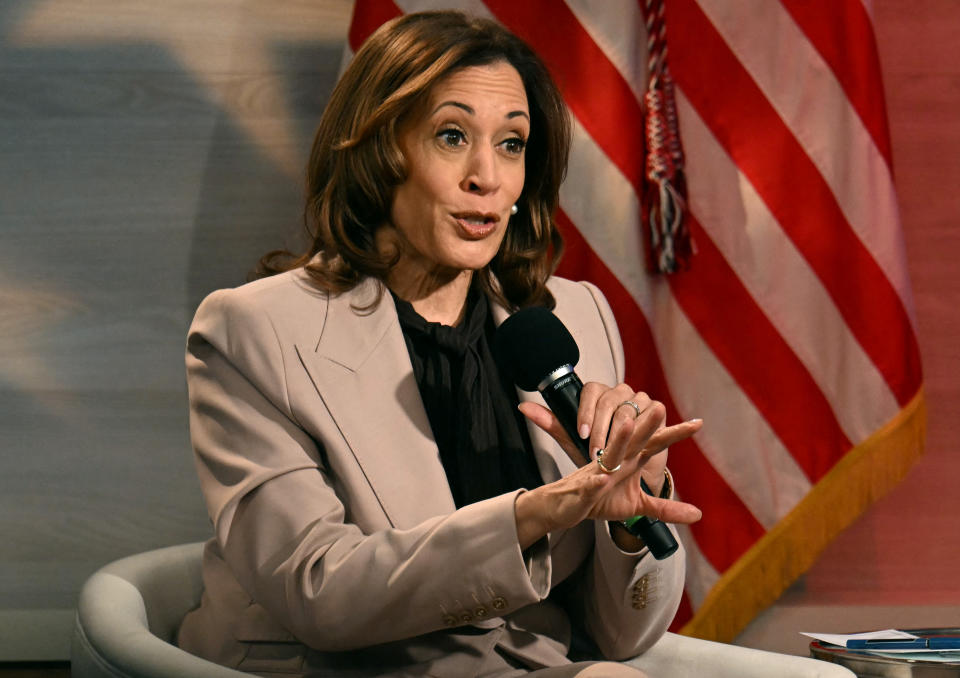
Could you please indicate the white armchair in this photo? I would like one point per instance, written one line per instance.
(128, 615)
(676, 656)
(129, 612)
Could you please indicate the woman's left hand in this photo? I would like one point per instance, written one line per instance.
(603, 412)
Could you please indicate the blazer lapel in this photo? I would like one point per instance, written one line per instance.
(362, 371)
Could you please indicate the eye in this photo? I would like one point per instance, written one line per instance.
(514, 145)
(452, 137)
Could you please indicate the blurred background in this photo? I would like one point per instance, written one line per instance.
(151, 152)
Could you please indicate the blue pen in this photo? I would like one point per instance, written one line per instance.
(936, 643)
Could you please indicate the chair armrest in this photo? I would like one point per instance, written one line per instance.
(169, 581)
(684, 657)
(113, 637)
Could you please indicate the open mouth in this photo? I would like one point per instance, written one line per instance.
(476, 224)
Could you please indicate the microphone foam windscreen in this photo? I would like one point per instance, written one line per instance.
(531, 344)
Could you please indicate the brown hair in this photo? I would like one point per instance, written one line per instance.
(356, 162)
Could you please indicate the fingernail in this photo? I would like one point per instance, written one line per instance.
(694, 421)
(584, 431)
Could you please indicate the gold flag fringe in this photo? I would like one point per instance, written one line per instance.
(862, 476)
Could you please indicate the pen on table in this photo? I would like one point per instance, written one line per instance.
(935, 643)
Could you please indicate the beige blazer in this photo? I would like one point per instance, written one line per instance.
(337, 545)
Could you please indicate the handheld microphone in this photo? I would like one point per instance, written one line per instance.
(538, 352)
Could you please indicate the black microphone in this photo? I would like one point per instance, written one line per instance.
(538, 352)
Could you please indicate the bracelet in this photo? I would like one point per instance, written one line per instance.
(667, 488)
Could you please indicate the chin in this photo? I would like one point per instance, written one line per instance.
(474, 256)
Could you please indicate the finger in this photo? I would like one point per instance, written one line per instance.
(607, 414)
(616, 447)
(670, 510)
(547, 420)
(668, 435)
(589, 395)
(653, 459)
(643, 429)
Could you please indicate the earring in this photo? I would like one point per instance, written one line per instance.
(514, 209)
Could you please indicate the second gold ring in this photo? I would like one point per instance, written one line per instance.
(604, 467)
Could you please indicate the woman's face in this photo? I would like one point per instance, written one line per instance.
(465, 168)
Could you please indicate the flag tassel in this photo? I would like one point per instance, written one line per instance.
(665, 190)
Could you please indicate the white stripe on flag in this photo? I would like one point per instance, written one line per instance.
(617, 28)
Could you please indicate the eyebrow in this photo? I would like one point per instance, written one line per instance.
(468, 109)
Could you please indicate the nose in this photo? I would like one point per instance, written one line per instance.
(481, 175)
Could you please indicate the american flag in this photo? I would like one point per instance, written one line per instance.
(792, 333)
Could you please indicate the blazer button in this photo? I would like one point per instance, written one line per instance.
(466, 617)
(499, 603)
(480, 612)
(449, 620)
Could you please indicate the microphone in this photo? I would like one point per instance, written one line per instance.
(538, 352)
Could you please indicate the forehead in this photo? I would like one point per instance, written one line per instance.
(497, 85)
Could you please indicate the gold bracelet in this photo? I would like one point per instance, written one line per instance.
(667, 488)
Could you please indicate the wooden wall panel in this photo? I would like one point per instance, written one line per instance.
(149, 153)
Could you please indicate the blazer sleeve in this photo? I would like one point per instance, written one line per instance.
(280, 523)
(629, 599)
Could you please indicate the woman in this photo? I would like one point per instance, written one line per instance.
(380, 507)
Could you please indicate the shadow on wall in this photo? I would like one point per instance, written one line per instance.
(148, 155)
(252, 190)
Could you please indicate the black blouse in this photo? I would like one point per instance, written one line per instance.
(472, 407)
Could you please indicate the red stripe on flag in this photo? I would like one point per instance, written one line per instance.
(754, 353)
(683, 615)
(697, 479)
(368, 16)
(842, 33)
(593, 88)
(740, 116)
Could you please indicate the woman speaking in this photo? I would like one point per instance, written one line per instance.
(385, 502)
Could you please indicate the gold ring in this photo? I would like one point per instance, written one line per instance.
(603, 467)
(636, 408)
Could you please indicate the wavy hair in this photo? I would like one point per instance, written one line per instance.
(356, 162)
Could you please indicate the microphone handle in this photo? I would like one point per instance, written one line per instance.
(563, 398)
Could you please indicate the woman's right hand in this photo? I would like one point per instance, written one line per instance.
(589, 492)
